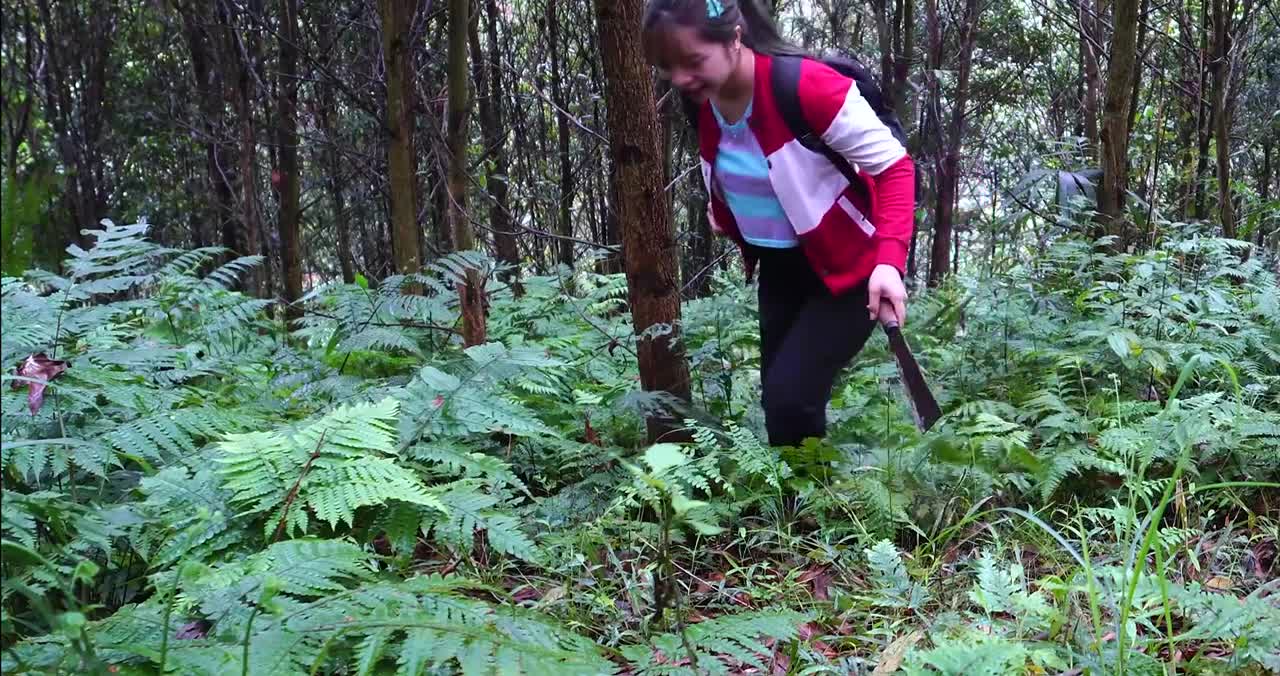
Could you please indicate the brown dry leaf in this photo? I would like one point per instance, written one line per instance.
(892, 656)
(1219, 583)
(555, 594)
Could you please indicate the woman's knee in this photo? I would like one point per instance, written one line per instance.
(792, 412)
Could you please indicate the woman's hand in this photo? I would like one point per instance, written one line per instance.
(885, 294)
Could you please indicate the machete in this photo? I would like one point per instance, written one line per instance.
(924, 408)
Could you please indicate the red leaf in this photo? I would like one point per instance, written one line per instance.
(38, 367)
(590, 432)
(526, 593)
(819, 580)
(808, 630)
(438, 401)
(192, 630)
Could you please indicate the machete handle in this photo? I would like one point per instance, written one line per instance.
(888, 316)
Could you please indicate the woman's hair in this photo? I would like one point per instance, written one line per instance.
(715, 21)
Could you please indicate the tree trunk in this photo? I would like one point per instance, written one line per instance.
(1190, 117)
(243, 236)
(902, 62)
(1137, 78)
(74, 88)
(1121, 70)
(494, 132)
(1089, 37)
(1222, 13)
(207, 72)
(397, 18)
(1205, 121)
(649, 245)
(948, 162)
(885, 40)
(470, 294)
(697, 276)
(1264, 186)
(564, 223)
(333, 180)
(289, 185)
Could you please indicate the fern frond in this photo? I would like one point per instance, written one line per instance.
(467, 510)
(744, 637)
(457, 460)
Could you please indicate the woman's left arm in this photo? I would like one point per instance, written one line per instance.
(832, 105)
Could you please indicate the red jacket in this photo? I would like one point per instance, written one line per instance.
(843, 237)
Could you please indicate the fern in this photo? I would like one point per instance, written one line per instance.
(891, 586)
(333, 466)
(467, 510)
(724, 645)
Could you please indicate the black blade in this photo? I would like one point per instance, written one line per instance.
(923, 406)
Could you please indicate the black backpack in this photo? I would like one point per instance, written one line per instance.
(786, 78)
(785, 82)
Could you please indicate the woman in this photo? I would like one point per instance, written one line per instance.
(831, 255)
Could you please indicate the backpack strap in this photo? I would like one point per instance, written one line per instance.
(785, 82)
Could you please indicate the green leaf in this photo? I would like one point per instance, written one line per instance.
(661, 457)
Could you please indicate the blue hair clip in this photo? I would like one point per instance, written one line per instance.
(714, 8)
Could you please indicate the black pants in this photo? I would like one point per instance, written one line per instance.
(807, 335)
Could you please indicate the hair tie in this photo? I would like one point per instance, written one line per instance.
(714, 8)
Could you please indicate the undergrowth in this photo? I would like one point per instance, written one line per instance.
(207, 490)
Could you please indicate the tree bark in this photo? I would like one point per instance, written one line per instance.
(1222, 12)
(290, 216)
(1089, 38)
(207, 73)
(1205, 121)
(243, 235)
(564, 224)
(471, 293)
(1136, 85)
(397, 18)
(74, 89)
(1121, 71)
(649, 245)
(902, 61)
(1264, 185)
(493, 130)
(948, 162)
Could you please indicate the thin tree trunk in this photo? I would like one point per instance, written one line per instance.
(1264, 186)
(902, 61)
(1137, 78)
(650, 259)
(290, 215)
(470, 294)
(1190, 117)
(219, 169)
(948, 164)
(1121, 71)
(1089, 37)
(397, 18)
(1205, 122)
(243, 235)
(564, 223)
(1222, 14)
(494, 132)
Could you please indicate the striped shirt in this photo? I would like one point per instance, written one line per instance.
(743, 174)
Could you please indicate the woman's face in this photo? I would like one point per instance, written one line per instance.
(695, 66)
